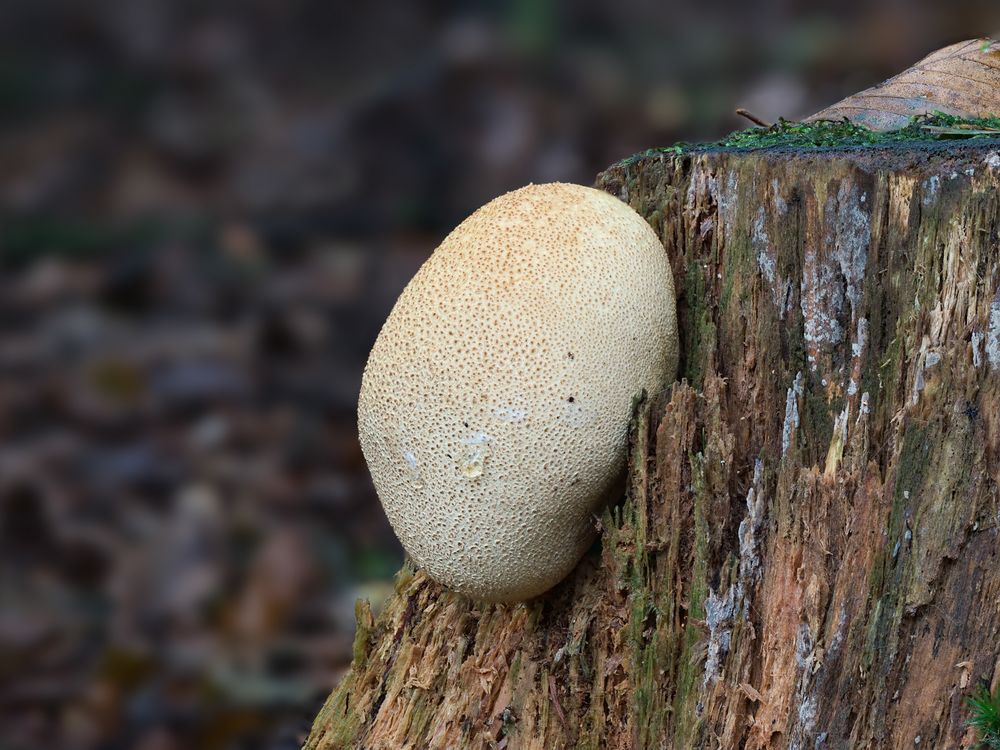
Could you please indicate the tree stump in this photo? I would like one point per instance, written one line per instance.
(808, 555)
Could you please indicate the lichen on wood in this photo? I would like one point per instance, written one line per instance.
(808, 553)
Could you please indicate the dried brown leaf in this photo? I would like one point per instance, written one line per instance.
(962, 80)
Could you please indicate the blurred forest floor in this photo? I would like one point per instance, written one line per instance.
(206, 211)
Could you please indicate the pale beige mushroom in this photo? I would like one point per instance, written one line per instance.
(494, 407)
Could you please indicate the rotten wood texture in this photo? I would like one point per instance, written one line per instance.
(809, 553)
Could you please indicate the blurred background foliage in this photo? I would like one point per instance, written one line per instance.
(206, 211)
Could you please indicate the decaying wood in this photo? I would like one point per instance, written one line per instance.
(809, 553)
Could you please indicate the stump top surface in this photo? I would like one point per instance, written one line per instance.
(936, 134)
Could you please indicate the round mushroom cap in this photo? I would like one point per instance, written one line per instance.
(495, 404)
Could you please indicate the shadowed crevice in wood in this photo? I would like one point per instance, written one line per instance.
(809, 552)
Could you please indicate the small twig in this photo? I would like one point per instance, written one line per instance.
(967, 132)
(752, 117)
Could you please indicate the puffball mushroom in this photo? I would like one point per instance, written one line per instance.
(495, 404)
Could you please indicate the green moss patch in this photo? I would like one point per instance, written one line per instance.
(843, 134)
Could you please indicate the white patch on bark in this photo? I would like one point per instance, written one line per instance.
(749, 526)
(853, 236)
(993, 333)
(860, 337)
(723, 195)
(976, 343)
(719, 613)
(808, 714)
(821, 301)
(791, 414)
(808, 708)
(931, 186)
(762, 245)
(804, 648)
(864, 408)
(836, 272)
(760, 242)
